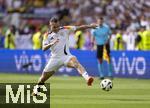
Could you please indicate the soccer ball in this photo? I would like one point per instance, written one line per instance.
(106, 84)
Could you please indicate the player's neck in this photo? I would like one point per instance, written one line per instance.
(56, 31)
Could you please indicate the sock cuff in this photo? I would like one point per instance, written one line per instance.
(85, 73)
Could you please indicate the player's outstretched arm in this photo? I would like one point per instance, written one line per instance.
(47, 46)
(83, 27)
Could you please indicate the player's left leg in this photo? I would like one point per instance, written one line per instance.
(110, 70)
(44, 77)
(73, 63)
(49, 70)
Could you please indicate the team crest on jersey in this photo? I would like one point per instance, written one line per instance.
(51, 38)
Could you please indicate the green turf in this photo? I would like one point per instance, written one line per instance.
(72, 92)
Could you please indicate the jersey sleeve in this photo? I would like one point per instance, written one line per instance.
(70, 28)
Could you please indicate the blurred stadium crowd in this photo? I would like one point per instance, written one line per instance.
(22, 22)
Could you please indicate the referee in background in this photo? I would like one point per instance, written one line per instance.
(101, 35)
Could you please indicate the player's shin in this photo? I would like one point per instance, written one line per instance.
(45, 76)
(82, 71)
(85, 75)
(75, 64)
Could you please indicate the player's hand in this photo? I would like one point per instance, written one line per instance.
(47, 46)
(54, 41)
(93, 25)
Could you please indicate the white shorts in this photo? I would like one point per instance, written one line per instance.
(55, 63)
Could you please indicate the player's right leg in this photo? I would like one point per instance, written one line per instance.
(73, 63)
(100, 61)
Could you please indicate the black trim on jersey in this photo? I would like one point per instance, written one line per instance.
(49, 31)
(65, 52)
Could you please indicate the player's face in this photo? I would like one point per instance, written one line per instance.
(100, 21)
(54, 26)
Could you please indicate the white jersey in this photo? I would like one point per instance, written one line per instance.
(61, 48)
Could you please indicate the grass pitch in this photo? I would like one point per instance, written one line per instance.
(72, 92)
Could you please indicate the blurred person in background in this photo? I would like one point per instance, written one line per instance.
(14, 8)
(146, 39)
(24, 37)
(138, 40)
(39, 3)
(79, 36)
(118, 42)
(10, 38)
(37, 39)
(88, 41)
(112, 39)
(102, 35)
(129, 38)
(142, 40)
(2, 39)
(79, 39)
(145, 22)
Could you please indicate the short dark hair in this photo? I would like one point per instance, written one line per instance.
(99, 17)
(54, 19)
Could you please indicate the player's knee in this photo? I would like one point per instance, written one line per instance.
(76, 65)
(74, 59)
(74, 62)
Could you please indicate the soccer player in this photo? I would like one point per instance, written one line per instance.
(102, 35)
(57, 40)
